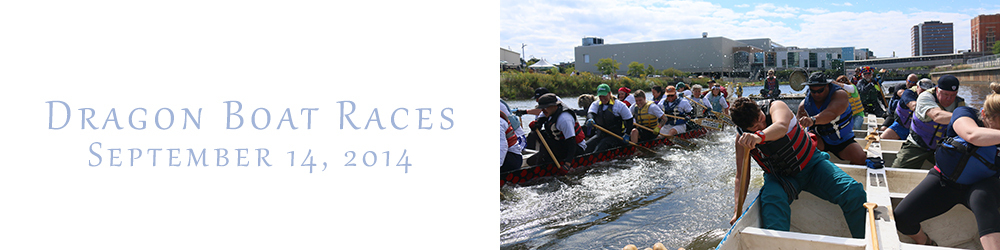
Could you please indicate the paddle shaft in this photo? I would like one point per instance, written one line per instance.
(871, 218)
(707, 108)
(744, 175)
(699, 121)
(623, 139)
(547, 149)
(671, 137)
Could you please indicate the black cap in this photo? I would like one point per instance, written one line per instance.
(816, 78)
(541, 91)
(547, 100)
(948, 82)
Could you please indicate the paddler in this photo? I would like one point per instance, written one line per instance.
(930, 119)
(900, 127)
(966, 173)
(871, 93)
(624, 96)
(891, 115)
(717, 99)
(771, 88)
(699, 110)
(676, 106)
(646, 114)
(857, 110)
(791, 163)
(611, 115)
(827, 113)
(560, 130)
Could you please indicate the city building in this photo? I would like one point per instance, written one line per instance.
(718, 56)
(984, 32)
(932, 38)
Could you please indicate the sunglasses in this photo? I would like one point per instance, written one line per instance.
(817, 90)
(671, 95)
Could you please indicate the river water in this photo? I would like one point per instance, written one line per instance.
(682, 197)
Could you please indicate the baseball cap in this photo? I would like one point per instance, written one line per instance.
(926, 84)
(603, 89)
(547, 100)
(541, 91)
(948, 82)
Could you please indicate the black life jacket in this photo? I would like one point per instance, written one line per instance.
(605, 117)
(548, 130)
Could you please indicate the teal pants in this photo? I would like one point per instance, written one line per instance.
(823, 179)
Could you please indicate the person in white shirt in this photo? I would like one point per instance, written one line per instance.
(623, 94)
(699, 110)
(611, 115)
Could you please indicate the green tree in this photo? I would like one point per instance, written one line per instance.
(607, 66)
(996, 48)
(635, 69)
(671, 72)
(837, 66)
(650, 70)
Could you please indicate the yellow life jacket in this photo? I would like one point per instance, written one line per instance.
(855, 100)
(644, 118)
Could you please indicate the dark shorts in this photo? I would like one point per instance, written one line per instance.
(934, 196)
(835, 149)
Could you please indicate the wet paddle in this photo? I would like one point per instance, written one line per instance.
(547, 149)
(724, 117)
(744, 175)
(704, 122)
(871, 219)
(674, 139)
(620, 138)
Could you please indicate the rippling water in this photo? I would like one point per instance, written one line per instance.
(683, 197)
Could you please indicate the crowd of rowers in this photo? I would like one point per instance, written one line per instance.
(627, 117)
(792, 149)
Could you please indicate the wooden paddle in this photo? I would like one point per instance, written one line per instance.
(724, 117)
(547, 149)
(871, 218)
(623, 139)
(674, 139)
(704, 122)
(744, 175)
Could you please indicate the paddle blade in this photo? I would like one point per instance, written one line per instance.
(712, 124)
(796, 79)
(681, 142)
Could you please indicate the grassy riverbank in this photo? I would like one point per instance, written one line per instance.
(520, 85)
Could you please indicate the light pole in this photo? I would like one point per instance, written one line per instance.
(522, 53)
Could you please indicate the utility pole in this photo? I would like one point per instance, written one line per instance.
(522, 53)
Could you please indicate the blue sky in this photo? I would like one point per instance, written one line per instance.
(552, 28)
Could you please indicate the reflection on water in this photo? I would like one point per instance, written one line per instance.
(682, 197)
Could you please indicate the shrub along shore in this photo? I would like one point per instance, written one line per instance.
(522, 85)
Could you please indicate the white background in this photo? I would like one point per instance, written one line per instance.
(265, 54)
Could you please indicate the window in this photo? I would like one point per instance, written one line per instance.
(586, 58)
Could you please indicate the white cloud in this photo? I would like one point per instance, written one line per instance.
(842, 4)
(742, 5)
(817, 10)
(553, 28)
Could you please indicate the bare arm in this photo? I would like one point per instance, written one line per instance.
(781, 116)
(973, 133)
(837, 107)
(939, 115)
(912, 105)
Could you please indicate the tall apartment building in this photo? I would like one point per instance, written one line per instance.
(984, 32)
(932, 38)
